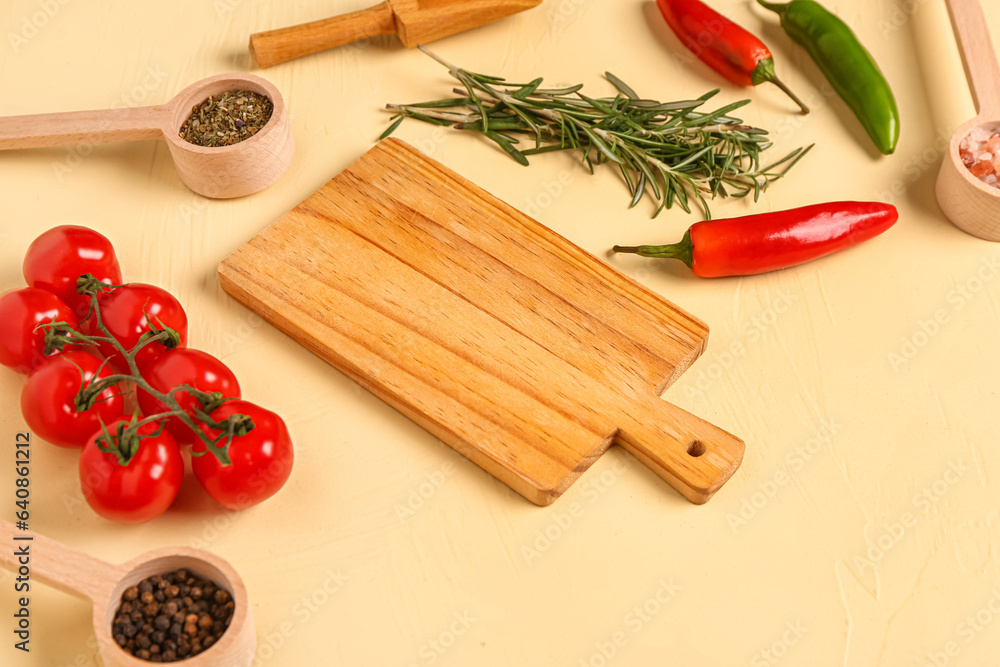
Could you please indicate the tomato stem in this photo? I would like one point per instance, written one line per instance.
(124, 443)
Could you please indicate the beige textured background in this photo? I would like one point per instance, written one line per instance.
(862, 528)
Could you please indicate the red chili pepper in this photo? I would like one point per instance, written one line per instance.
(722, 45)
(769, 241)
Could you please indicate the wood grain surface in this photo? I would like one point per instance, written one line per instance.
(981, 68)
(522, 351)
(415, 21)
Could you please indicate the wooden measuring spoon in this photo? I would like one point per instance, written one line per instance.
(415, 21)
(970, 204)
(221, 173)
(101, 583)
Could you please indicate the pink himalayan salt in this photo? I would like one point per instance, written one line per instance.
(982, 168)
(980, 152)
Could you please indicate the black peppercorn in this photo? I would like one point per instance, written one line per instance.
(171, 617)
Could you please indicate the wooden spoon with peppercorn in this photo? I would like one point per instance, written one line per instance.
(971, 204)
(177, 591)
(246, 139)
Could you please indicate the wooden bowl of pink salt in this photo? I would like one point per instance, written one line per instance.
(968, 185)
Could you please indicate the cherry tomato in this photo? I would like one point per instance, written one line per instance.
(47, 400)
(62, 254)
(124, 313)
(21, 347)
(261, 459)
(139, 491)
(185, 366)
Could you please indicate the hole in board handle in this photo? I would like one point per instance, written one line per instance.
(696, 448)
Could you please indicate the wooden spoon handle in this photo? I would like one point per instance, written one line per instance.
(692, 455)
(38, 558)
(83, 127)
(278, 46)
(969, 24)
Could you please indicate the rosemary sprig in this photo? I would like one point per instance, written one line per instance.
(672, 150)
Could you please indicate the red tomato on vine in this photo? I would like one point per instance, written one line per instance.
(130, 312)
(261, 459)
(62, 254)
(22, 343)
(136, 491)
(48, 399)
(185, 367)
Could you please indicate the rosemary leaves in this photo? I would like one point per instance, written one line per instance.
(227, 118)
(671, 150)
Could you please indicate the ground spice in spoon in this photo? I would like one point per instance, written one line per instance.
(171, 617)
(227, 118)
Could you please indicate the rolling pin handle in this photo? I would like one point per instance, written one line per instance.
(277, 46)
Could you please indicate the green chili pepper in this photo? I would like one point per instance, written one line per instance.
(846, 64)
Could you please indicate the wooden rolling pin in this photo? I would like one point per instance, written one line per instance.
(415, 21)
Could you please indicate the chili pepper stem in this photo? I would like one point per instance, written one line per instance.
(765, 72)
(774, 7)
(682, 250)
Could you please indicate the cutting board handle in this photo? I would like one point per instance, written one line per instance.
(277, 46)
(692, 455)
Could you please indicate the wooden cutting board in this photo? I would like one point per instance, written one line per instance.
(520, 350)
